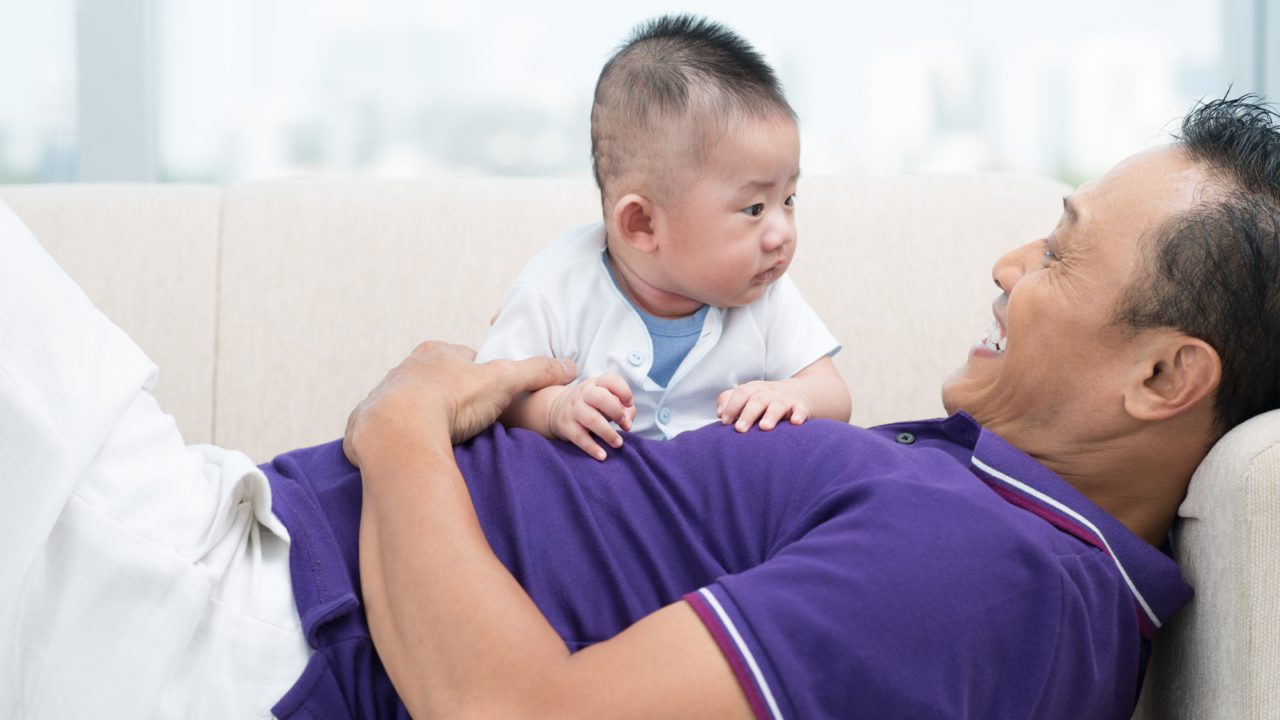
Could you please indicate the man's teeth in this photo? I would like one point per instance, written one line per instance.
(996, 339)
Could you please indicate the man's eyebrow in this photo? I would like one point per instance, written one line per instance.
(1069, 210)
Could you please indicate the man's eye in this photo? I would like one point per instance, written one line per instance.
(790, 201)
(755, 210)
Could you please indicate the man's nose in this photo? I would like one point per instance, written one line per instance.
(1010, 268)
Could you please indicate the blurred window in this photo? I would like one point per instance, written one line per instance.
(244, 89)
(38, 92)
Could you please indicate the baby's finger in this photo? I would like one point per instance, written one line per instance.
(628, 417)
(605, 403)
(750, 413)
(777, 410)
(598, 425)
(616, 384)
(733, 406)
(581, 437)
(799, 414)
(721, 401)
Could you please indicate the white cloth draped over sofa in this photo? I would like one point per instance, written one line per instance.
(272, 307)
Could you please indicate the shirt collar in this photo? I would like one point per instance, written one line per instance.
(1153, 577)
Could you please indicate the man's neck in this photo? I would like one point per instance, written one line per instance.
(1139, 478)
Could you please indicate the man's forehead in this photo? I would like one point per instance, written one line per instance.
(1138, 195)
(1163, 180)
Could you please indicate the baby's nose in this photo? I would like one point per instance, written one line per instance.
(779, 237)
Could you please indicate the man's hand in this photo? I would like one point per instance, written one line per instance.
(440, 387)
(587, 408)
(766, 401)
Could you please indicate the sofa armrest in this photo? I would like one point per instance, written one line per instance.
(1220, 657)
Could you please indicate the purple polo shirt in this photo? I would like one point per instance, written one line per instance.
(915, 570)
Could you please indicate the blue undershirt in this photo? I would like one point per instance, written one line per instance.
(672, 338)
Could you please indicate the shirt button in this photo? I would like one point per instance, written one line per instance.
(664, 415)
(906, 438)
(636, 359)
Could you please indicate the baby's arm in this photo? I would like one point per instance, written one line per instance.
(816, 391)
(576, 412)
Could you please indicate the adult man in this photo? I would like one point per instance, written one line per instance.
(931, 569)
(1088, 371)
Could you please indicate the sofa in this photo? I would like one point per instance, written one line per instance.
(272, 307)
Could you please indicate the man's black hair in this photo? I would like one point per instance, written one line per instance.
(1214, 271)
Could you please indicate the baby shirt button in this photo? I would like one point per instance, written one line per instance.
(664, 415)
(906, 438)
(636, 359)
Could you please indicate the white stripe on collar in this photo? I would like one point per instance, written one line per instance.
(1078, 518)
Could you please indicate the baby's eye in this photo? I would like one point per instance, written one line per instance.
(790, 201)
(755, 210)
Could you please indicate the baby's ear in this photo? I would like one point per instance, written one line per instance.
(633, 217)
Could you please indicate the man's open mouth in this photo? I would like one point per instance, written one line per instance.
(995, 339)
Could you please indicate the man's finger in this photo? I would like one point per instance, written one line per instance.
(536, 373)
(428, 348)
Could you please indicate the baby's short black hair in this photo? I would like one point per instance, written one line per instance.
(679, 79)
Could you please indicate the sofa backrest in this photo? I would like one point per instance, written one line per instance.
(148, 256)
(272, 307)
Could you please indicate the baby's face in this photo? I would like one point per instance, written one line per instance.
(732, 231)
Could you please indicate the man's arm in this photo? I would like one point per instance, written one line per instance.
(457, 633)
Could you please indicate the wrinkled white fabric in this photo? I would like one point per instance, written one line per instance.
(139, 577)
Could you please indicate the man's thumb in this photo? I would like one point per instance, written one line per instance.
(538, 372)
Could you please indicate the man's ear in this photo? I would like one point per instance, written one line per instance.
(633, 216)
(1177, 374)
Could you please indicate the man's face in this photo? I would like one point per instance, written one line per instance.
(731, 232)
(1055, 363)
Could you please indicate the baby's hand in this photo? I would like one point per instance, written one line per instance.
(768, 402)
(587, 408)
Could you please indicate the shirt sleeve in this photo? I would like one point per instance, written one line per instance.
(795, 337)
(866, 616)
(526, 327)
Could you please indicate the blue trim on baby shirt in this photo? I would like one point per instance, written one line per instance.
(672, 338)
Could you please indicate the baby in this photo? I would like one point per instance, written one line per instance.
(676, 308)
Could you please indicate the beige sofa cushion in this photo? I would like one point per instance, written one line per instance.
(327, 284)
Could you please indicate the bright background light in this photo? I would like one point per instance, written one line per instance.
(246, 89)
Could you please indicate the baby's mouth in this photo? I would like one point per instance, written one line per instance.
(769, 274)
(996, 339)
